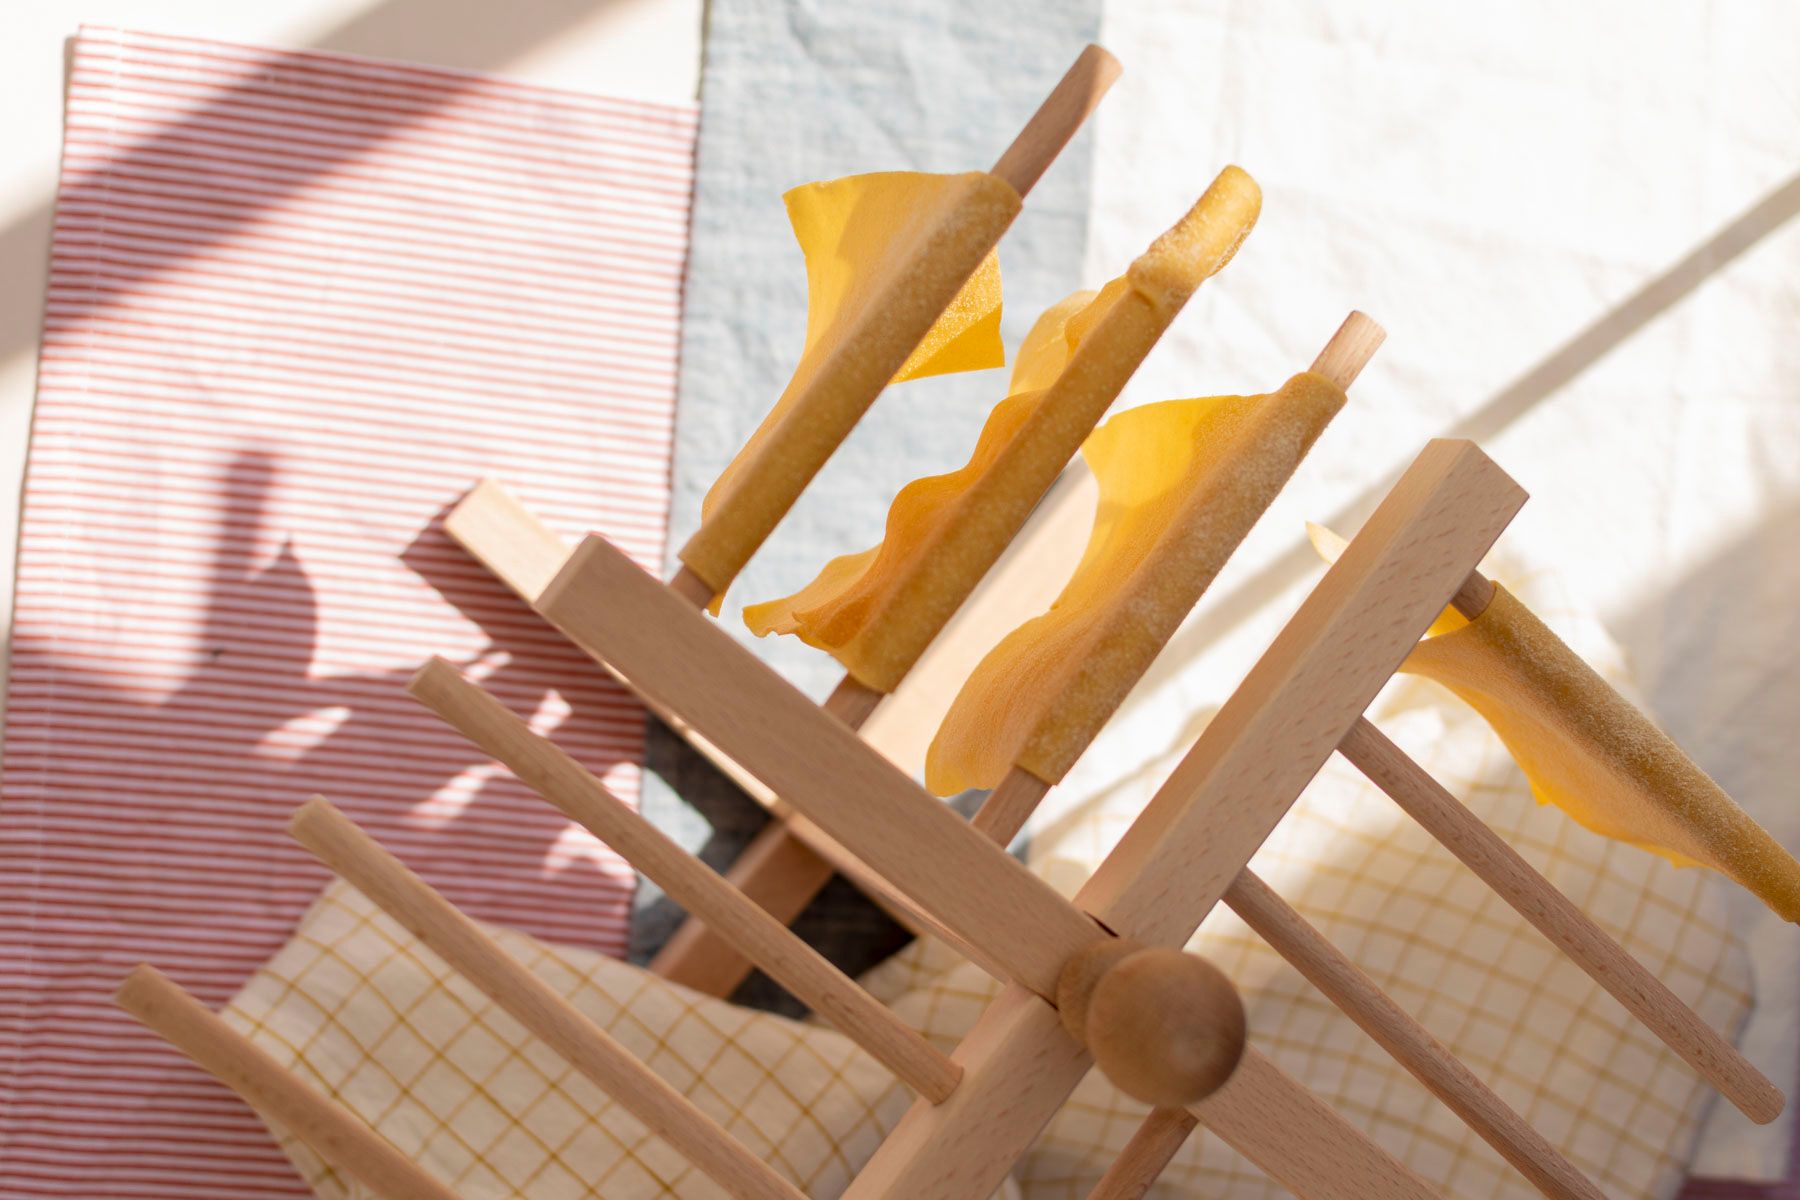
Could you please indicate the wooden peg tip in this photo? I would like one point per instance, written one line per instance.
(1075, 96)
(1350, 349)
(1167, 1028)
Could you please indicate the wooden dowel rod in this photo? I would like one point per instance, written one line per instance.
(904, 909)
(756, 492)
(778, 871)
(690, 587)
(1145, 1156)
(1442, 1073)
(1349, 350)
(852, 703)
(1057, 119)
(339, 1136)
(1474, 596)
(443, 929)
(1557, 918)
(1010, 805)
(553, 774)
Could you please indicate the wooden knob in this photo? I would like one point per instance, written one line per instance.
(1167, 1028)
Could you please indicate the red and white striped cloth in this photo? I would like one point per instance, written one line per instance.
(298, 303)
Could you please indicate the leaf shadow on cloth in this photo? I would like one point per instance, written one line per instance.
(312, 732)
(415, 30)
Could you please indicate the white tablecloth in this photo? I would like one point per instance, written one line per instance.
(1574, 222)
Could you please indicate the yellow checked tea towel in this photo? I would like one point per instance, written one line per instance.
(358, 1007)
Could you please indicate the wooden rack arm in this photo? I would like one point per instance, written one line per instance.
(443, 929)
(1557, 918)
(338, 1135)
(1358, 997)
(1177, 861)
(547, 769)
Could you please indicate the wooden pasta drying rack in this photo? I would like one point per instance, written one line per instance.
(1099, 979)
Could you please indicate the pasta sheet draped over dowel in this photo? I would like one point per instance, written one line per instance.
(829, 611)
(878, 610)
(1594, 755)
(1181, 484)
(885, 254)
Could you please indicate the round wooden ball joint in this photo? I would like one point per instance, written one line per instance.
(1168, 1028)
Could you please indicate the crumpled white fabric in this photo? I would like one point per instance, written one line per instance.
(1576, 224)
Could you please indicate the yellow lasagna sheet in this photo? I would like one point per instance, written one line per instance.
(902, 282)
(878, 610)
(1593, 754)
(1181, 484)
